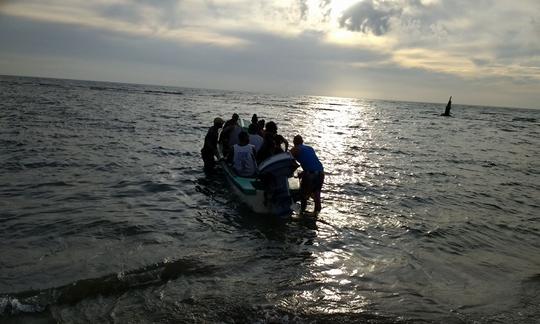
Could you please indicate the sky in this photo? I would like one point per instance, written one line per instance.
(482, 52)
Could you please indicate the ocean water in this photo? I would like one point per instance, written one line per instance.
(107, 217)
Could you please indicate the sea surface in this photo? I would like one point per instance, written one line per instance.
(107, 217)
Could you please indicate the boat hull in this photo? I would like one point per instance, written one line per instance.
(250, 193)
(281, 188)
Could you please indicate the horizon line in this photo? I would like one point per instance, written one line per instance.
(266, 93)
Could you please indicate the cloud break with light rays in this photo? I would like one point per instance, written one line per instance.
(482, 52)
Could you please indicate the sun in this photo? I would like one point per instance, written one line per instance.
(337, 7)
(333, 8)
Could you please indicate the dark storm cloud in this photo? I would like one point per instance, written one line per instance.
(369, 16)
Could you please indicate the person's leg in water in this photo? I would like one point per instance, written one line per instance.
(208, 159)
(310, 187)
(304, 195)
(317, 192)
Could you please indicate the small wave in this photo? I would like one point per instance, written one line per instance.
(437, 174)
(534, 278)
(157, 187)
(106, 167)
(123, 184)
(524, 119)
(52, 85)
(102, 88)
(113, 89)
(11, 143)
(163, 151)
(489, 164)
(51, 184)
(257, 103)
(164, 92)
(508, 130)
(511, 184)
(324, 109)
(55, 164)
(12, 306)
(436, 233)
(117, 283)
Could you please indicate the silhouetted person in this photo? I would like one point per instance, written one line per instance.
(261, 123)
(448, 107)
(312, 176)
(210, 145)
(232, 121)
(254, 137)
(254, 119)
(229, 135)
(272, 142)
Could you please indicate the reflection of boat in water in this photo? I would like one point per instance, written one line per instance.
(273, 188)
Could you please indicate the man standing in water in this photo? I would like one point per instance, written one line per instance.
(210, 145)
(312, 178)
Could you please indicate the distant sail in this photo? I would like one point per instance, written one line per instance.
(448, 107)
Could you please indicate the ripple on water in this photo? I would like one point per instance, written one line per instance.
(424, 218)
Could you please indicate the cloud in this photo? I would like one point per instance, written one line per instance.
(380, 17)
(471, 40)
(492, 41)
(370, 16)
(137, 11)
(303, 8)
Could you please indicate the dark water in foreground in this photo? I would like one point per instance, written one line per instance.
(106, 216)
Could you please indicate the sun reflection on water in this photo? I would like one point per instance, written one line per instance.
(342, 276)
(340, 133)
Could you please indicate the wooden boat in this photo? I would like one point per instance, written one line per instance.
(272, 191)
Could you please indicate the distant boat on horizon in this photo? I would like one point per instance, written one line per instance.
(448, 107)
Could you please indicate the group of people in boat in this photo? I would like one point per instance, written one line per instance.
(245, 150)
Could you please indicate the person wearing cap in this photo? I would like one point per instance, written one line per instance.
(312, 176)
(210, 145)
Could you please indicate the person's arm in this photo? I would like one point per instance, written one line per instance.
(224, 137)
(281, 140)
(294, 151)
(213, 140)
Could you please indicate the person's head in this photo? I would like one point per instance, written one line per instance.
(261, 124)
(271, 127)
(253, 129)
(235, 117)
(218, 122)
(297, 140)
(254, 119)
(243, 138)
